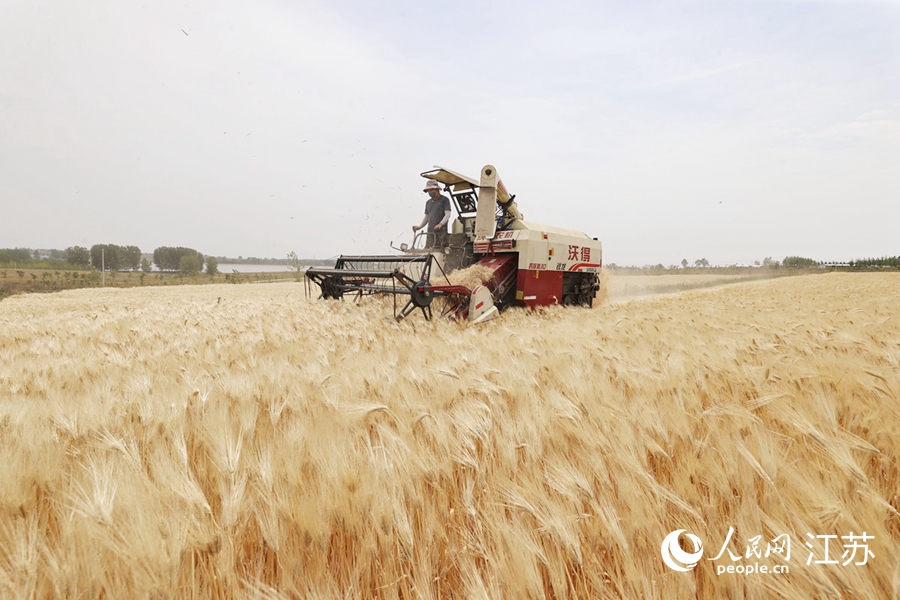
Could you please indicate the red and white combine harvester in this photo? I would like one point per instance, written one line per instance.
(515, 262)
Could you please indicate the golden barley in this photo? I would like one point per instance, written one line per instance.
(245, 442)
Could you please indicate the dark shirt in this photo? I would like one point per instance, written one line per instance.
(435, 210)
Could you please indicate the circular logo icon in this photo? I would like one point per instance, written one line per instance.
(676, 558)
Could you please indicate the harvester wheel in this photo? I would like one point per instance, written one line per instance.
(587, 289)
(331, 288)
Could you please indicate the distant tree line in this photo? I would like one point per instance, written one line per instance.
(111, 256)
(33, 259)
(117, 258)
(798, 262)
(884, 261)
(252, 260)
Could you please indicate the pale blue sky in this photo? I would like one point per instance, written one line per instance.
(726, 130)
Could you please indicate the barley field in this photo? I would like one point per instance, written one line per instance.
(225, 441)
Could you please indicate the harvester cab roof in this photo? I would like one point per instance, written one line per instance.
(495, 257)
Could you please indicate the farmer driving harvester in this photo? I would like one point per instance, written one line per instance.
(437, 215)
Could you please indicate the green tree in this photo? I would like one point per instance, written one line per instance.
(131, 257)
(169, 259)
(212, 265)
(109, 254)
(76, 255)
(684, 263)
(15, 255)
(189, 264)
(295, 265)
(146, 267)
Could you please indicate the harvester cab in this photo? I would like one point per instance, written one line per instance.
(468, 194)
(491, 259)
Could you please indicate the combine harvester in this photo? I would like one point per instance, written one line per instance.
(516, 262)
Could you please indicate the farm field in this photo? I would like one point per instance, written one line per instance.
(235, 441)
(46, 280)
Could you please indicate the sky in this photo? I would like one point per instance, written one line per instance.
(726, 130)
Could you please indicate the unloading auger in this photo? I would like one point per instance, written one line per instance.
(520, 263)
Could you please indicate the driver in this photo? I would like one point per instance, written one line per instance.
(437, 215)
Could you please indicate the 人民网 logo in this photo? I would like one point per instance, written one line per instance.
(676, 558)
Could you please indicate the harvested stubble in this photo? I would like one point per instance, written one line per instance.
(628, 286)
(231, 442)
